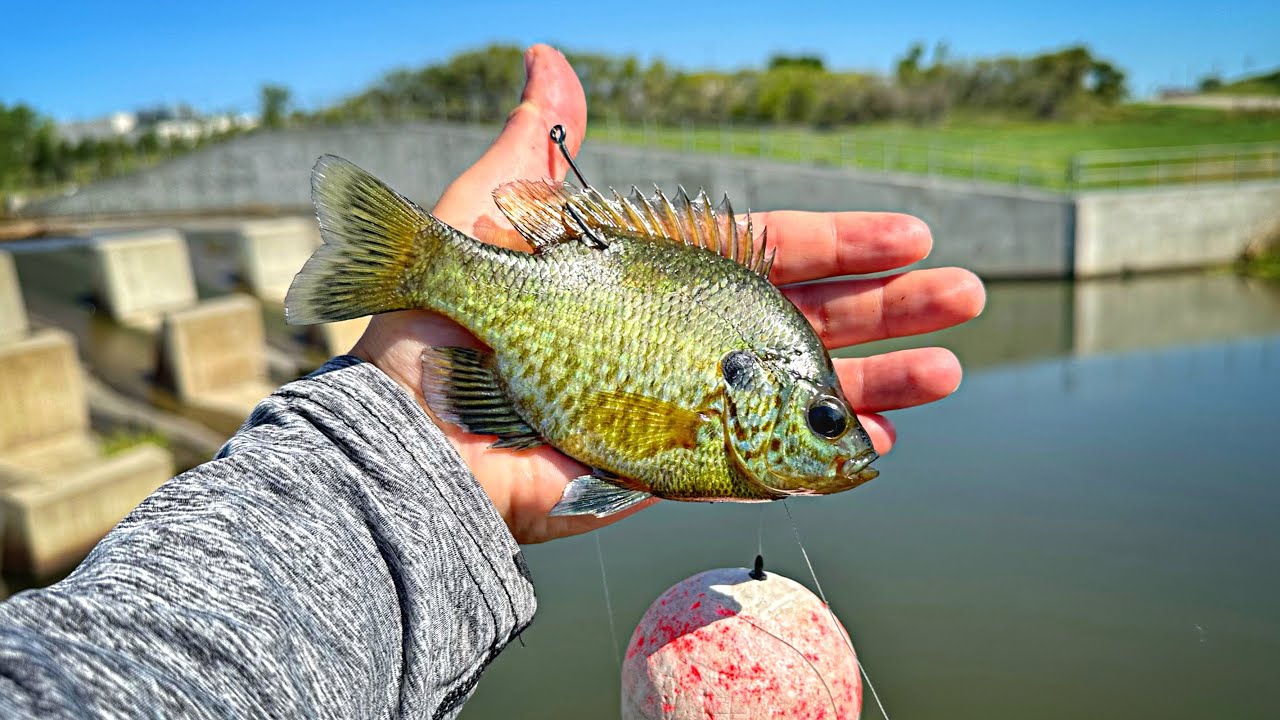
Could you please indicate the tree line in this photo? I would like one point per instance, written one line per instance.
(925, 86)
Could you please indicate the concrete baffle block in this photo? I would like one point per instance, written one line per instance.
(214, 358)
(13, 313)
(51, 523)
(42, 394)
(58, 493)
(268, 253)
(143, 274)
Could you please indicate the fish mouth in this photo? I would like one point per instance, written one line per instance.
(855, 468)
(850, 472)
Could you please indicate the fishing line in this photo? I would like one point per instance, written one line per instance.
(847, 636)
(608, 603)
(797, 650)
(760, 532)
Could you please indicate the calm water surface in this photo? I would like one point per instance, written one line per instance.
(1090, 527)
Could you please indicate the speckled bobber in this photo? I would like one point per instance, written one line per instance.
(723, 644)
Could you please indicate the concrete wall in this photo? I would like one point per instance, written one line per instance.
(273, 170)
(1122, 231)
(996, 230)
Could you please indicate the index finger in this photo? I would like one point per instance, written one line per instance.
(813, 245)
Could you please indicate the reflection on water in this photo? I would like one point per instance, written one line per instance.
(1090, 526)
(1026, 321)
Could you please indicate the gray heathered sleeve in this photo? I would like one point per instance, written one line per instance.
(336, 559)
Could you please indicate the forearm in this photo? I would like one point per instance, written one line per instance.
(337, 559)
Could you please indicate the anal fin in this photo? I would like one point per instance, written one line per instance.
(462, 386)
(590, 495)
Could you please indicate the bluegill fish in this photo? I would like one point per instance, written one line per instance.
(642, 337)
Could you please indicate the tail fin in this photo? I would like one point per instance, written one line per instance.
(372, 236)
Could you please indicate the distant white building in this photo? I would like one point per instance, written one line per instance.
(115, 125)
(216, 124)
(170, 130)
(167, 125)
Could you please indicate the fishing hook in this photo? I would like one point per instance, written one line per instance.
(557, 136)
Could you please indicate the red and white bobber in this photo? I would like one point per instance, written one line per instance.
(722, 644)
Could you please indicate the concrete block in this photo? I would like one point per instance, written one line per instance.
(214, 357)
(52, 522)
(339, 337)
(267, 253)
(13, 313)
(42, 395)
(58, 494)
(34, 460)
(143, 274)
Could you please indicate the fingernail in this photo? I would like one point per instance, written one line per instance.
(528, 62)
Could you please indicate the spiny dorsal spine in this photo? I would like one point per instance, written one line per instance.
(537, 208)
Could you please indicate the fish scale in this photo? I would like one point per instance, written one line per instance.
(641, 337)
(551, 394)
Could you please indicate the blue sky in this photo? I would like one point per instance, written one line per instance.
(82, 59)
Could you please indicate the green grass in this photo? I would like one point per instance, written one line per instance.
(1263, 260)
(1268, 84)
(1266, 267)
(120, 440)
(1026, 152)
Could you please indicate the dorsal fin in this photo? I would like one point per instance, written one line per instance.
(537, 210)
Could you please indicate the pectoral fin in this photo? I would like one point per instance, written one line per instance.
(590, 495)
(462, 386)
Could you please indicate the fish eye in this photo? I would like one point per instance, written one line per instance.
(828, 417)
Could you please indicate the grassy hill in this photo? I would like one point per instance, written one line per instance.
(1266, 84)
(1030, 152)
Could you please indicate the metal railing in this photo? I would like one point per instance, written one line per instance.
(1175, 165)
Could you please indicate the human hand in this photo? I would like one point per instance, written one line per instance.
(524, 484)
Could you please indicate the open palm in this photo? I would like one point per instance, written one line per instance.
(525, 484)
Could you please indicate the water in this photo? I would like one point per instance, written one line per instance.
(1089, 527)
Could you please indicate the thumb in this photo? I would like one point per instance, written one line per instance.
(523, 150)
